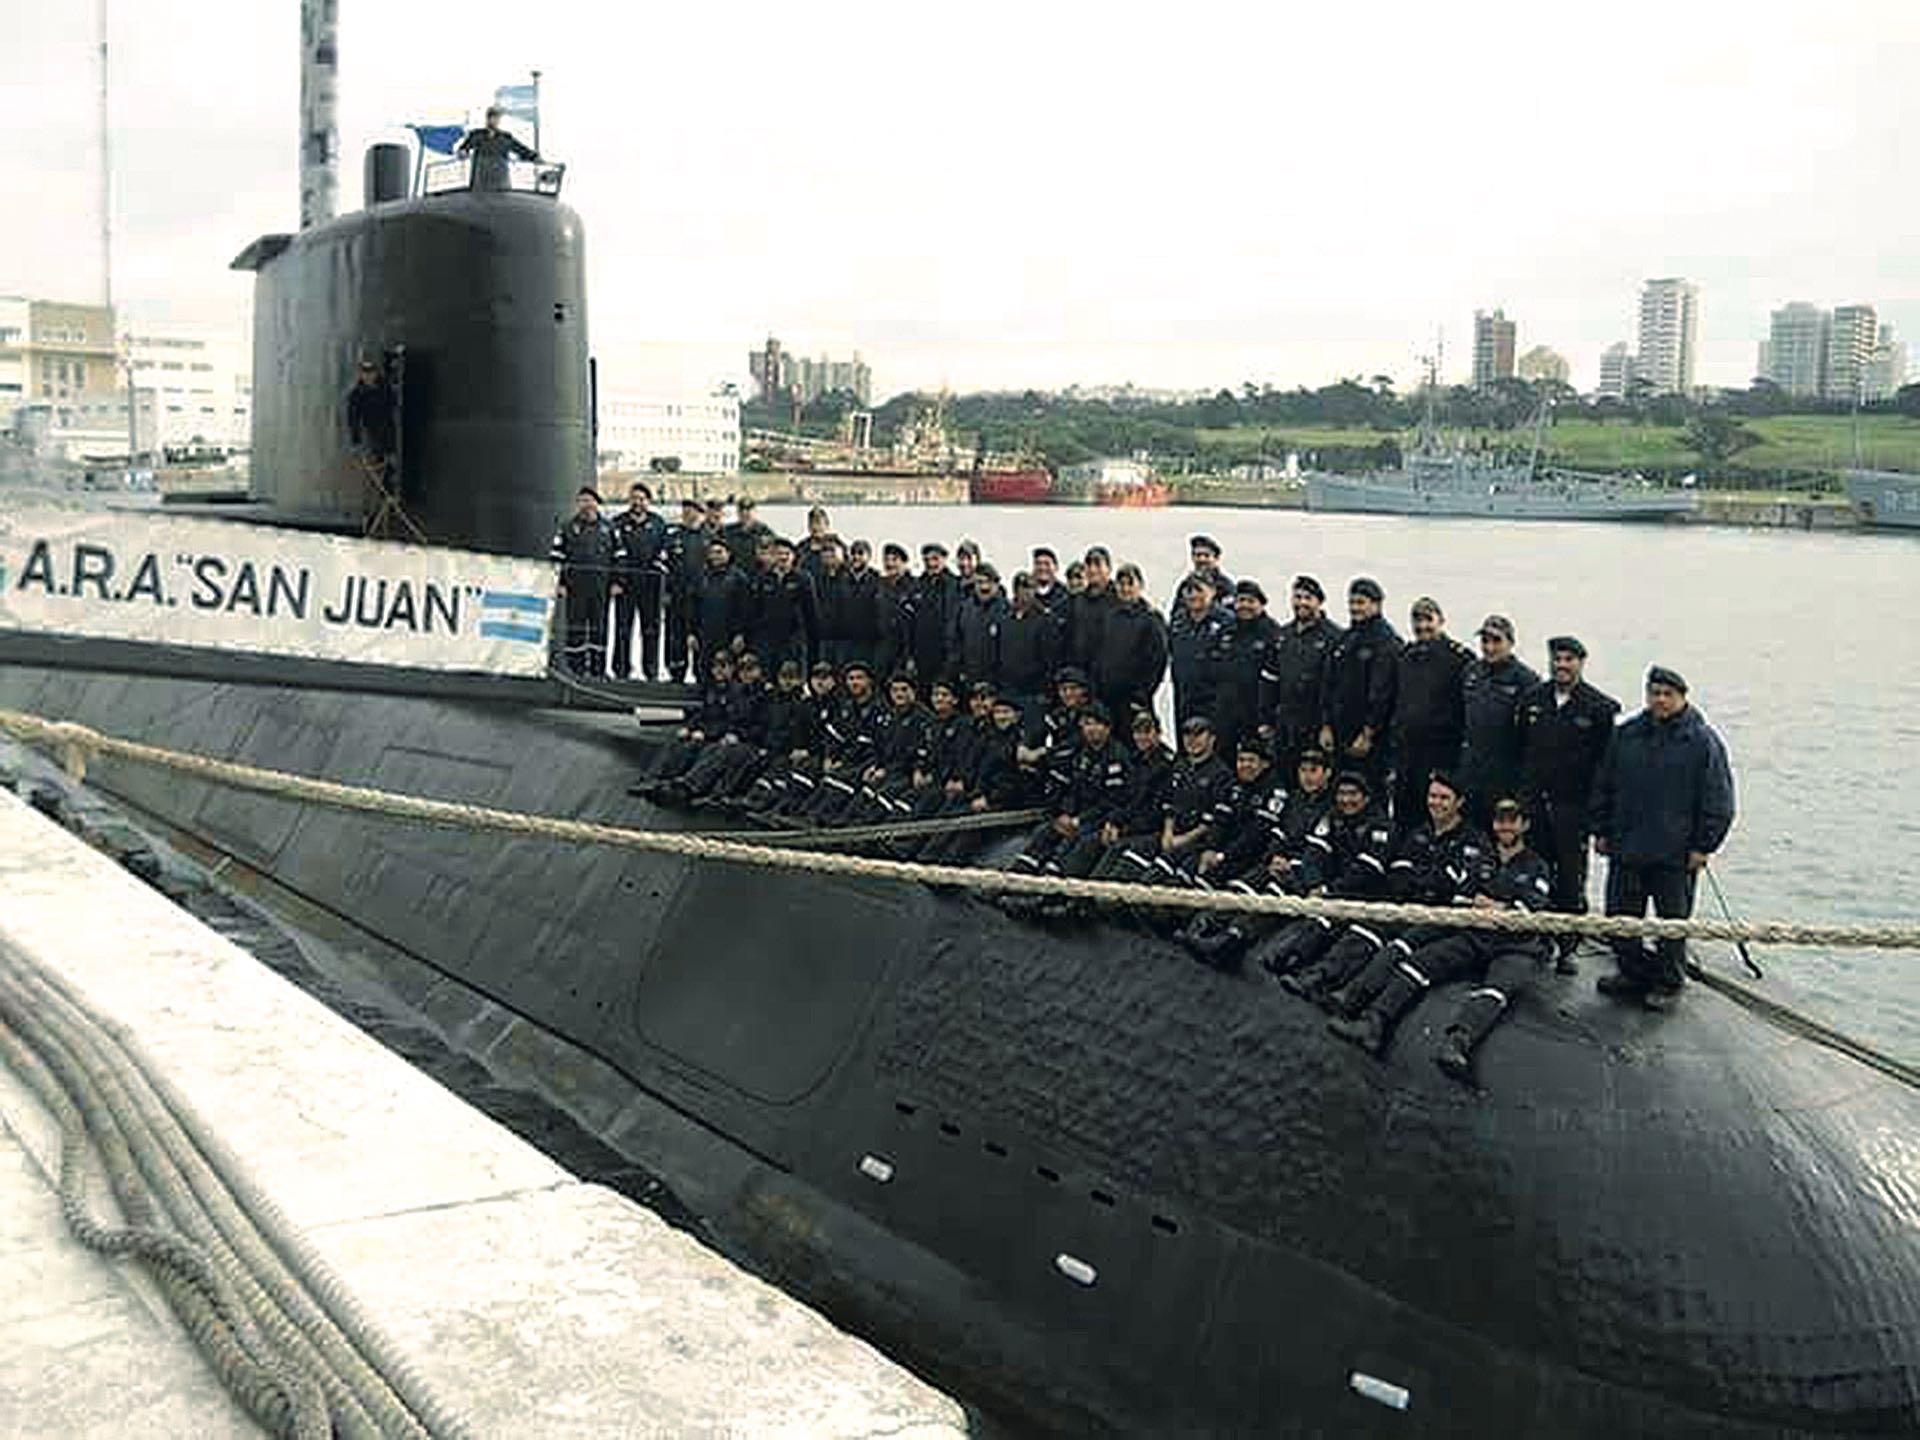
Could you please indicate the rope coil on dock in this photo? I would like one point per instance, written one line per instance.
(77, 745)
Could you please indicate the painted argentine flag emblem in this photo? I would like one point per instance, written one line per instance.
(507, 615)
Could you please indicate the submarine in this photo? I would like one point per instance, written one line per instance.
(1081, 1182)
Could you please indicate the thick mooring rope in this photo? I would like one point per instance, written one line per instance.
(77, 744)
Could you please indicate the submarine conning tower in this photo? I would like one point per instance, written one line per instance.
(471, 295)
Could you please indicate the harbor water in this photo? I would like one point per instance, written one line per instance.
(1800, 648)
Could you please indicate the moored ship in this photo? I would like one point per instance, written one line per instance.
(1886, 498)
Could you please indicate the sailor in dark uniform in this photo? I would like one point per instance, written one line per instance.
(643, 538)
(370, 427)
(1490, 693)
(892, 611)
(935, 607)
(492, 149)
(1300, 662)
(590, 558)
(1244, 675)
(1428, 717)
(1196, 639)
(1204, 552)
(1361, 674)
(1511, 877)
(1096, 794)
(1662, 804)
(683, 552)
(1133, 648)
(1565, 728)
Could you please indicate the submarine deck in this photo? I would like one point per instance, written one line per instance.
(535, 1303)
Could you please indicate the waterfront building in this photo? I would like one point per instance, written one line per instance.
(1887, 370)
(202, 384)
(1617, 370)
(1851, 340)
(693, 434)
(1493, 337)
(1541, 363)
(1796, 355)
(1669, 334)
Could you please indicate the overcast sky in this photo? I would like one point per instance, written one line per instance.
(1042, 193)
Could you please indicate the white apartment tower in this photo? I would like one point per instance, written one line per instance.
(1856, 331)
(1617, 370)
(1796, 352)
(1669, 334)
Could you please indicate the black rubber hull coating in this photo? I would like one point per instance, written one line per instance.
(1685, 1225)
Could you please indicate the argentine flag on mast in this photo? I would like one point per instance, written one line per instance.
(522, 102)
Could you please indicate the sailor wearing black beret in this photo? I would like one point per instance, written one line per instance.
(1663, 802)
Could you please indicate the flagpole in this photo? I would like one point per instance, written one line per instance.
(536, 112)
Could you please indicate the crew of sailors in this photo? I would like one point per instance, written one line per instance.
(1313, 759)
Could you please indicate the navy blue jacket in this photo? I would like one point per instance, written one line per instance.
(1663, 790)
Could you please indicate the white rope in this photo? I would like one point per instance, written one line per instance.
(75, 744)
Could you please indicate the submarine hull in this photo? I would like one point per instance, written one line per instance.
(1069, 1169)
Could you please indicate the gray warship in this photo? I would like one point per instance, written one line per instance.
(1069, 1175)
(1888, 499)
(1435, 478)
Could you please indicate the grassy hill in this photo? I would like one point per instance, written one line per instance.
(1792, 449)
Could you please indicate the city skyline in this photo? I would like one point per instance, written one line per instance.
(1086, 268)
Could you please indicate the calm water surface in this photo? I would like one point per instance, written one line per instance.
(1801, 649)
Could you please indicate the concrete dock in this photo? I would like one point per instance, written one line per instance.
(534, 1303)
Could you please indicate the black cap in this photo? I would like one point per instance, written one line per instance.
(1204, 542)
(743, 502)
(1507, 805)
(1252, 744)
(934, 547)
(1095, 710)
(1355, 779)
(641, 487)
(1661, 675)
(1046, 550)
(1250, 587)
(1312, 586)
(1193, 724)
(1022, 580)
(689, 502)
(893, 548)
(1145, 720)
(1497, 625)
(1312, 755)
(586, 490)
(749, 658)
(986, 570)
(1427, 605)
(1566, 644)
(823, 667)
(982, 687)
(1366, 585)
(860, 665)
(1070, 675)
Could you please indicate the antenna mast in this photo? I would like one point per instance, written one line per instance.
(106, 173)
(319, 120)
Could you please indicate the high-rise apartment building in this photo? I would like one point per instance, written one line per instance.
(1617, 369)
(1669, 334)
(1493, 337)
(1887, 371)
(1854, 334)
(1796, 349)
